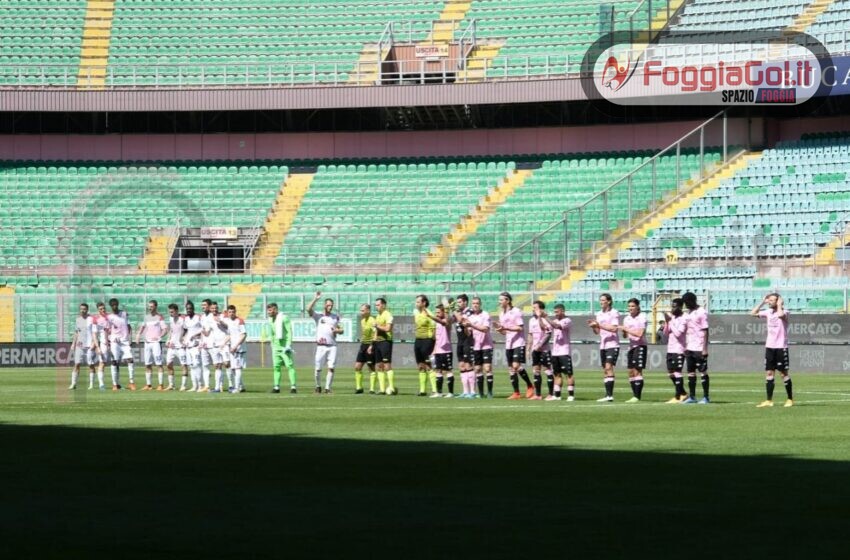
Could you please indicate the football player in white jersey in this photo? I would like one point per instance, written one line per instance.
(236, 335)
(206, 359)
(215, 329)
(153, 328)
(327, 327)
(174, 347)
(85, 348)
(120, 332)
(192, 332)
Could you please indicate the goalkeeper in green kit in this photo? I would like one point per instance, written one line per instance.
(282, 355)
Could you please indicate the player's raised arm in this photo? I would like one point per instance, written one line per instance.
(757, 309)
(780, 308)
(312, 304)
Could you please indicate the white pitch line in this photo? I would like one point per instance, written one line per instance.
(583, 406)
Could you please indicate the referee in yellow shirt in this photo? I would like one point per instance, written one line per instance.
(366, 353)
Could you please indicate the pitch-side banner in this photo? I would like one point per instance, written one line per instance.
(304, 330)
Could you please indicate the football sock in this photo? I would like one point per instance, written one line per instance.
(423, 381)
(789, 389)
(609, 386)
(524, 375)
(317, 377)
(538, 384)
(278, 369)
(206, 376)
(131, 370)
(160, 375)
(382, 381)
(515, 383)
(91, 377)
(705, 383)
(114, 371)
(219, 378)
(638, 386)
(769, 384)
(391, 379)
(373, 380)
(490, 383)
(438, 383)
(358, 380)
(75, 375)
(196, 377)
(148, 377)
(571, 390)
(479, 380)
(237, 379)
(556, 390)
(692, 386)
(100, 376)
(451, 382)
(550, 382)
(678, 383)
(432, 378)
(183, 381)
(329, 379)
(231, 373)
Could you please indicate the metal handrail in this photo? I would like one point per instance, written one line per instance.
(581, 208)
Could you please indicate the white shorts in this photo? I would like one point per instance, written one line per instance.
(237, 360)
(325, 354)
(176, 354)
(206, 359)
(85, 356)
(215, 355)
(193, 357)
(121, 350)
(153, 353)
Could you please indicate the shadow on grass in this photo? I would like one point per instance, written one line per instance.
(86, 493)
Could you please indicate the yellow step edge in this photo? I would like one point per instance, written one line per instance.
(469, 223)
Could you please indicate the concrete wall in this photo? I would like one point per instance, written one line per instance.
(320, 145)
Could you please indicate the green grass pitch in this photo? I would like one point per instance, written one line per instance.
(177, 475)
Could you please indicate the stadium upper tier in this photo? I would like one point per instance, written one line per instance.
(227, 43)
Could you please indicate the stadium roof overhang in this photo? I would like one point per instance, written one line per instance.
(263, 99)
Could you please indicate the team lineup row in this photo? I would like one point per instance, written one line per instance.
(198, 342)
(547, 337)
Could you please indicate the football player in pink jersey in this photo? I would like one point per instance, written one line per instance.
(674, 328)
(562, 361)
(696, 348)
(442, 355)
(776, 347)
(539, 335)
(607, 324)
(512, 326)
(634, 328)
(480, 324)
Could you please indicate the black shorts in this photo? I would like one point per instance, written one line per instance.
(365, 357)
(562, 365)
(481, 357)
(465, 353)
(515, 355)
(637, 358)
(697, 363)
(609, 356)
(675, 363)
(443, 362)
(383, 351)
(776, 359)
(541, 358)
(422, 349)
